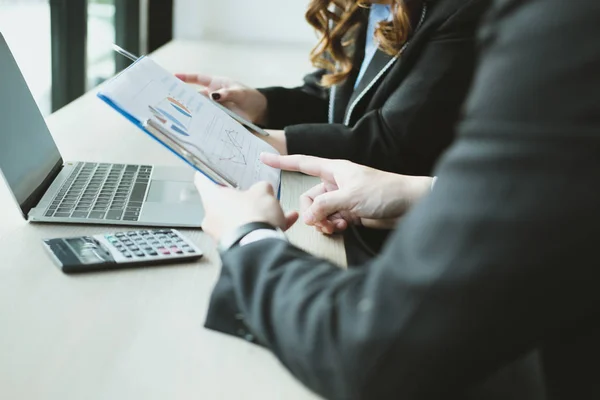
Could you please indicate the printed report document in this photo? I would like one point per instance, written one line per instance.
(190, 125)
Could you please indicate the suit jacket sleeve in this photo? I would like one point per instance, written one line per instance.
(304, 104)
(409, 131)
(501, 256)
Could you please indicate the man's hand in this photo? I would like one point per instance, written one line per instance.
(351, 193)
(247, 102)
(227, 209)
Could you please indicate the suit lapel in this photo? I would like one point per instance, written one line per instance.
(376, 71)
(376, 66)
(341, 93)
(345, 98)
(341, 97)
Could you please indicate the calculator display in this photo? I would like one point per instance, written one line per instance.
(88, 251)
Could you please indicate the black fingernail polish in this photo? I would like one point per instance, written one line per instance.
(215, 96)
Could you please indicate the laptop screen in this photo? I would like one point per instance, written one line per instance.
(28, 154)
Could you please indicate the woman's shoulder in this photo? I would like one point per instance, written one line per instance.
(446, 9)
(461, 14)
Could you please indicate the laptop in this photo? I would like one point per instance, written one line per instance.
(50, 190)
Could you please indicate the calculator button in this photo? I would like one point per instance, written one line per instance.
(153, 253)
(165, 252)
(134, 248)
(139, 254)
(127, 254)
(120, 235)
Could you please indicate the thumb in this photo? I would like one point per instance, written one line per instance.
(290, 219)
(225, 95)
(196, 79)
(325, 205)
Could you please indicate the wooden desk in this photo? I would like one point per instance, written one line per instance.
(134, 334)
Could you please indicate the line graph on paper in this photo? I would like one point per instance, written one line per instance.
(234, 151)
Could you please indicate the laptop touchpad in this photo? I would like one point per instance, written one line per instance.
(173, 192)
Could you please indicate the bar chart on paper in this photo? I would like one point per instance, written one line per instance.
(173, 113)
(146, 91)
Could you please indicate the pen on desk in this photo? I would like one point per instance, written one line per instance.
(124, 52)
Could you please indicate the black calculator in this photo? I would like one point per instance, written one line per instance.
(121, 250)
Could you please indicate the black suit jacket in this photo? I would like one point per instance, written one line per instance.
(402, 115)
(500, 261)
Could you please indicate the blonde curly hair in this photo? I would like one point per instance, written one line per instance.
(335, 20)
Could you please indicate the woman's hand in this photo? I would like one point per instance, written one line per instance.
(247, 102)
(351, 193)
(277, 140)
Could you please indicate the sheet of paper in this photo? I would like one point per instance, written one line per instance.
(146, 90)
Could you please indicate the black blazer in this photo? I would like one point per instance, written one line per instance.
(500, 260)
(402, 115)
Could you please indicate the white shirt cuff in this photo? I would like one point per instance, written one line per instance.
(262, 234)
(433, 182)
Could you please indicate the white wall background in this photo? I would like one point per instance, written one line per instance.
(244, 21)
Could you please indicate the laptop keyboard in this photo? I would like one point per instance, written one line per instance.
(102, 191)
